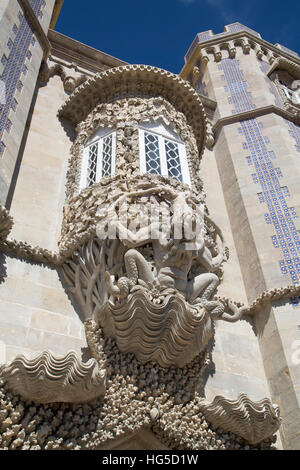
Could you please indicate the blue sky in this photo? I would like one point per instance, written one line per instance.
(159, 32)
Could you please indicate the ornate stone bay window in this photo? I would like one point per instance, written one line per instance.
(142, 261)
(286, 77)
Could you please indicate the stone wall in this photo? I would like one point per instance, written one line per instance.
(21, 56)
(39, 195)
(36, 313)
(237, 363)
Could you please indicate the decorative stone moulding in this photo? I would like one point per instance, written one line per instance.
(210, 141)
(142, 81)
(253, 421)
(284, 64)
(96, 204)
(226, 49)
(48, 379)
(72, 76)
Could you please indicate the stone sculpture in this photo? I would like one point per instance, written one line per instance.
(142, 260)
(49, 379)
(160, 307)
(254, 421)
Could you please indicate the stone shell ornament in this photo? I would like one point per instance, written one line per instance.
(49, 379)
(160, 327)
(253, 421)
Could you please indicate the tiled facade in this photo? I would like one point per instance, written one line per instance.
(14, 65)
(262, 160)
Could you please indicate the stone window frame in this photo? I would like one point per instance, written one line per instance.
(290, 93)
(97, 138)
(285, 76)
(163, 133)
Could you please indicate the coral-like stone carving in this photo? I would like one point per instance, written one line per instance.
(26, 251)
(6, 223)
(253, 421)
(48, 379)
(145, 288)
(138, 396)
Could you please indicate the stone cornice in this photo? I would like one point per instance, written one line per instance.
(36, 27)
(74, 62)
(71, 51)
(245, 39)
(140, 79)
(253, 113)
(284, 64)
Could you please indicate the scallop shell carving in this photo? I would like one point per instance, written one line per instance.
(48, 379)
(164, 329)
(253, 421)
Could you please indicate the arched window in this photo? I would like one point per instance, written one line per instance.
(162, 152)
(99, 157)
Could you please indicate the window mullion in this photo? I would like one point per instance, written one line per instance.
(113, 154)
(99, 160)
(84, 168)
(162, 154)
(184, 165)
(142, 151)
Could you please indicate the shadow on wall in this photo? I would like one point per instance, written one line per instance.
(68, 128)
(70, 296)
(3, 268)
(211, 368)
(85, 352)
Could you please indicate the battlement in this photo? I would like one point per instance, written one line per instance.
(205, 36)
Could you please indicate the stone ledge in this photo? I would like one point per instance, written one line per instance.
(254, 113)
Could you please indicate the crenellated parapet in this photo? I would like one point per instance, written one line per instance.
(235, 40)
(213, 58)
